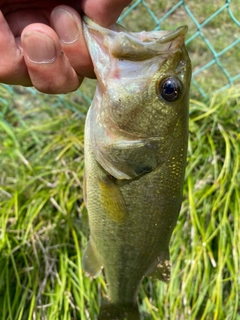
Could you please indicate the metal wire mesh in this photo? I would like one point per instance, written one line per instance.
(213, 38)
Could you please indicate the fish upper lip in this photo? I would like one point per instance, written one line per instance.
(140, 46)
(181, 31)
(147, 39)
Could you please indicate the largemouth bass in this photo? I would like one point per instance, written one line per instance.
(136, 136)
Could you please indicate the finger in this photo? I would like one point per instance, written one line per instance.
(19, 19)
(104, 12)
(12, 66)
(48, 67)
(68, 26)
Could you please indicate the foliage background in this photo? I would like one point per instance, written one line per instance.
(43, 221)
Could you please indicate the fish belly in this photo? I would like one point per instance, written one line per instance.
(131, 221)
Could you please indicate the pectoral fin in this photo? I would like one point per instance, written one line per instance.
(112, 200)
(91, 264)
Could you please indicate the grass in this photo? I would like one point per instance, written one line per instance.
(43, 221)
(44, 224)
(219, 32)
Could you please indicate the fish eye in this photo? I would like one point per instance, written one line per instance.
(170, 89)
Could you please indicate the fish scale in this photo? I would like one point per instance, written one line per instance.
(136, 136)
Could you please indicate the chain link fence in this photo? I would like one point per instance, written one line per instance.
(213, 42)
(213, 39)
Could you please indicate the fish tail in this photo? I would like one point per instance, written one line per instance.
(110, 311)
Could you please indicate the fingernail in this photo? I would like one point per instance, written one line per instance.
(65, 26)
(39, 47)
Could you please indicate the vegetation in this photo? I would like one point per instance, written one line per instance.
(208, 36)
(44, 224)
(43, 220)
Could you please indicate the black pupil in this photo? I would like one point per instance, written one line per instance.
(170, 89)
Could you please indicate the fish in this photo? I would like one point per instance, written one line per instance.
(135, 146)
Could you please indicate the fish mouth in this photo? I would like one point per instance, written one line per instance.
(172, 35)
(140, 45)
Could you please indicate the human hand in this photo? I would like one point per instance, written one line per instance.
(42, 44)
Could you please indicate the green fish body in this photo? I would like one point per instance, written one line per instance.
(136, 136)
